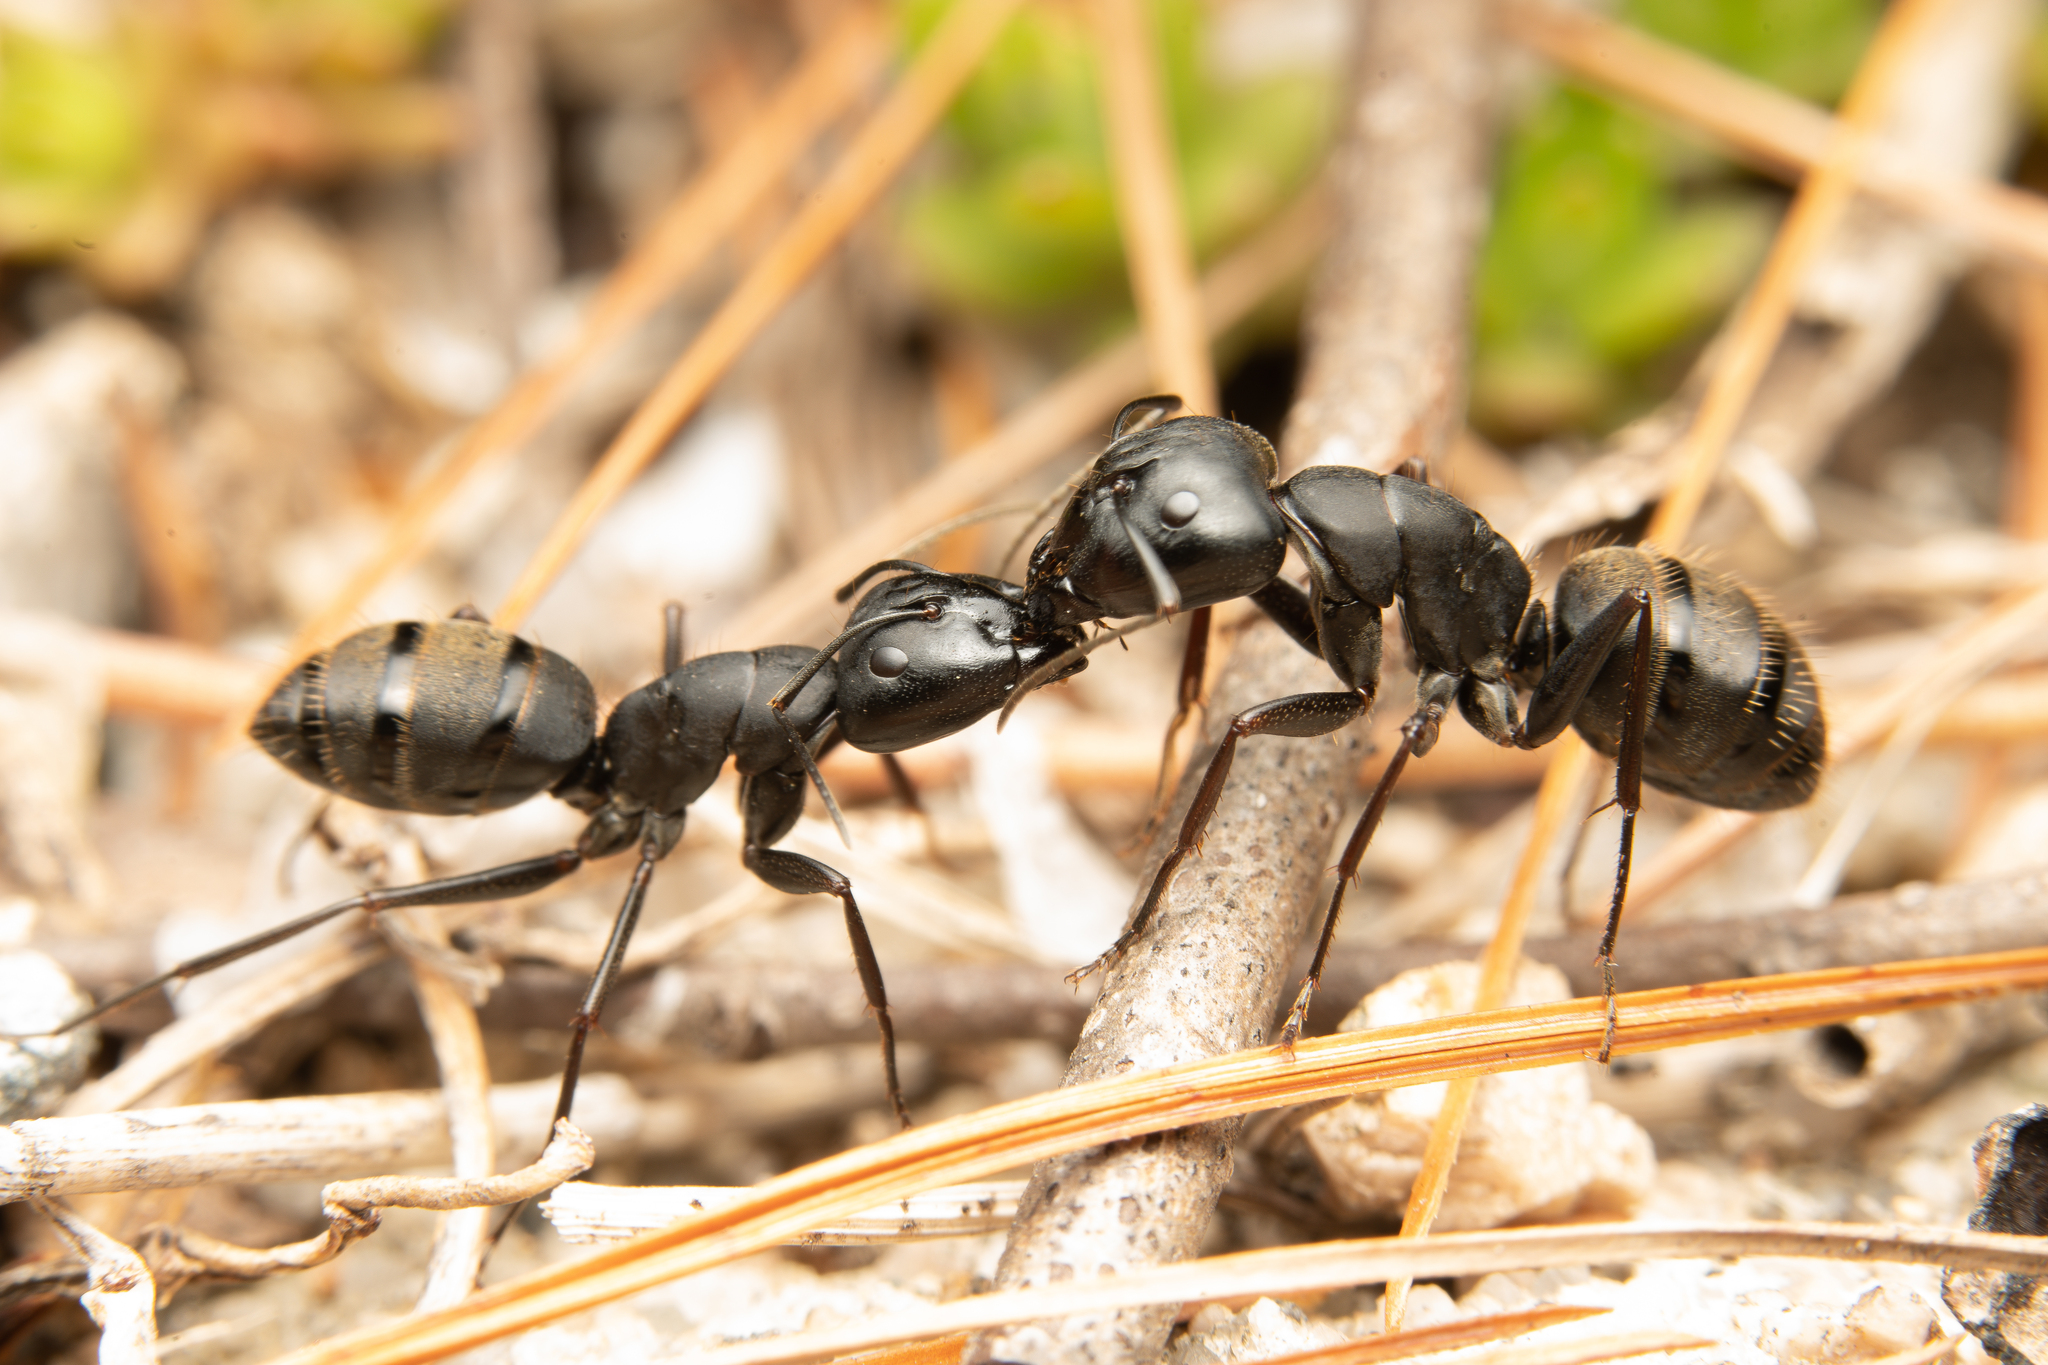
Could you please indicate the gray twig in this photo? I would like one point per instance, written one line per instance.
(1386, 339)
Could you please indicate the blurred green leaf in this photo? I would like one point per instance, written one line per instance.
(1809, 47)
(1021, 216)
(72, 137)
(1612, 242)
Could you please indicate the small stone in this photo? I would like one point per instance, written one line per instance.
(35, 1073)
(1887, 1320)
(1266, 1329)
(1536, 1146)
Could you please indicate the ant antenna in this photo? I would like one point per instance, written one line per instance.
(1141, 414)
(853, 585)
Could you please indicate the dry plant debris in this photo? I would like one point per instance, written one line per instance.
(351, 360)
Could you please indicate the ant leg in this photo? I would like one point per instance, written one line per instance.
(905, 791)
(1628, 794)
(498, 883)
(801, 876)
(607, 973)
(1297, 717)
(1556, 700)
(1347, 869)
(771, 802)
(1194, 663)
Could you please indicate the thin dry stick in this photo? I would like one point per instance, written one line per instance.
(120, 1294)
(1750, 340)
(1302, 1269)
(463, 1236)
(1385, 339)
(350, 1207)
(977, 1145)
(1156, 251)
(1777, 132)
(870, 162)
(228, 1018)
(582, 1212)
(1043, 429)
(319, 1137)
(1587, 1350)
(1161, 1281)
(702, 215)
(1442, 1336)
(2026, 492)
(1950, 674)
(1986, 640)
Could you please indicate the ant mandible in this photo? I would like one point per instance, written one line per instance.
(455, 717)
(1713, 699)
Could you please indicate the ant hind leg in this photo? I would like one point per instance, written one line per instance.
(1628, 795)
(1347, 868)
(498, 883)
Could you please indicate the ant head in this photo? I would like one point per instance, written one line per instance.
(1172, 516)
(916, 679)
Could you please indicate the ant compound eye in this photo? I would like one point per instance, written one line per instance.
(888, 662)
(1180, 509)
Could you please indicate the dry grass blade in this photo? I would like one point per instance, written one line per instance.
(1156, 250)
(1761, 317)
(1948, 673)
(943, 1350)
(1444, 1336)
(1042, 429)
(1746, 349)
(869, 163)
(980, 1144)
(463, 1235)
(1926, 1355)
(1162, 1285)
(582, 1212)
(1620, 1346)
(1993, 635)
(1780, 133)
(1331, 1264)
(818, 91)
(120, 1294)
(228, 1018)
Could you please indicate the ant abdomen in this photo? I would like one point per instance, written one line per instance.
(1737, 720)
(437, 717)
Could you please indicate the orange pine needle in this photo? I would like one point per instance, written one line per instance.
(881, 148)
(1750, 340)
(1157, 256)
(980, 1144)
(824, 84)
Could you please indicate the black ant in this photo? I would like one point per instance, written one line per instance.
(1191, 512)
(455, 717)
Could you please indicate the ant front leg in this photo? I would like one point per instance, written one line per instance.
(770, 803)
(1301, 716)
(1194, 664)
(1551, 708)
